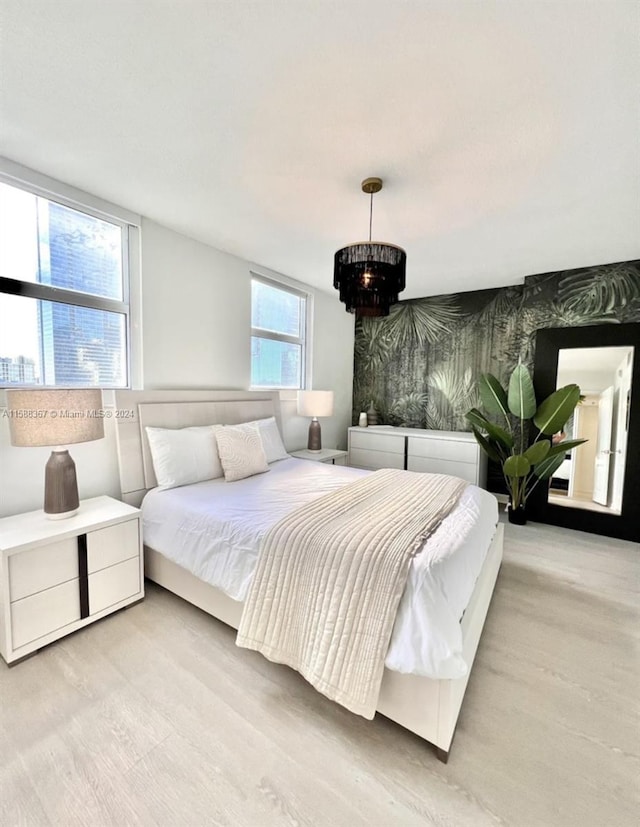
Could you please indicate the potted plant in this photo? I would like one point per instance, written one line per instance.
(523, 467)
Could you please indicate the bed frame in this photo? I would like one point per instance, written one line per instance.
(427, 707)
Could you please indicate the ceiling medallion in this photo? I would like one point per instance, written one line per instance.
(369, 274)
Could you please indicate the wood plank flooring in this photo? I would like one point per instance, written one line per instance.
(154, 717)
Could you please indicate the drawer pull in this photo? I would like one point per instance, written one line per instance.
(83, 576)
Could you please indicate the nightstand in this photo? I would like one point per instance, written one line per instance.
(330, 455)
(57, 576)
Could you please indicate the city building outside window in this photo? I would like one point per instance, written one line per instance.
(278, 335)
(64, 292)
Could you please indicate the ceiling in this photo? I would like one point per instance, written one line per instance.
(506, 132)
(593, 368)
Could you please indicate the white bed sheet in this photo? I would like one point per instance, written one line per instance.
(564, 472)
(213, 529)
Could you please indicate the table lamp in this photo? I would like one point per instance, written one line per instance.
(57, 418)
(315, 404)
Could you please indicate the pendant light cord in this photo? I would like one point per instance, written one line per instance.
(370, 215)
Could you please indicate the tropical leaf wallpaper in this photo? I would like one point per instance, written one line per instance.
(420, 365)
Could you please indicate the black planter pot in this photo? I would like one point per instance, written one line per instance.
(517, 516)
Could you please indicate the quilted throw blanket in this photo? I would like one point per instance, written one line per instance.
(330, 575)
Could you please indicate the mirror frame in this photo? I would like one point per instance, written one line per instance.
(549, 341)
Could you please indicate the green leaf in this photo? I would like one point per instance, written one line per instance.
(516, 466)
(556, 409)
(521, 398)
(564, 447)
(547, 468)
(476, 418)
(489, 448)
(538, 451)
(493, 395)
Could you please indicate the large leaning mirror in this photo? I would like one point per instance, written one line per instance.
(593, 477)
(597, 487)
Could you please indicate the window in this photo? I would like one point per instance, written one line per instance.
(278, 331)
(64, 292)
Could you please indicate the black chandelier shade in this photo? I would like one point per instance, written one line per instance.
(369, 275)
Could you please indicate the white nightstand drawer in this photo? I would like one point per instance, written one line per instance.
(464, 470)
(377, 441)
(360, 458)
(450, 449)
(109, 586)
(111, 545)
(57, 576)
(41, 568)
(45, 612)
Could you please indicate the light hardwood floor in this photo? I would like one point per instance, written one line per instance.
(154, 717)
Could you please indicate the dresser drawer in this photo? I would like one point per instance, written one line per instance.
(359, 458)
(111, 545)
(377, 441)
(464, 470)
(451, 449)
(41, 568)
(110, 586)
(44, 613)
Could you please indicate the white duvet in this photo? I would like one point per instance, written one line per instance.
(213, 529)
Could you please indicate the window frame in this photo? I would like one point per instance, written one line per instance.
(302, 340)
(41, 186)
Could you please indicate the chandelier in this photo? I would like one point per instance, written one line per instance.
(369, 274)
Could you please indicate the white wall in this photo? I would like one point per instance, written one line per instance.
(332, 369)
(196, 305)
(196, 314)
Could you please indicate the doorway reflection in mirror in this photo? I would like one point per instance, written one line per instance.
(593, 476)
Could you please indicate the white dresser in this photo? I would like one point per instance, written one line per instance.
(59, 575)
(415, 449)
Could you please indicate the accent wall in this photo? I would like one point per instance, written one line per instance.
(419, 366)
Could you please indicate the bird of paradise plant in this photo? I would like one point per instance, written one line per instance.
(523, 467)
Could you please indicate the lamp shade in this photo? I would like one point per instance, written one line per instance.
(315, 403)
(54, 417)
(370, 276)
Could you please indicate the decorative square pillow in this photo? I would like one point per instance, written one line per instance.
(184, 455)
(271, 439)
(241, 451)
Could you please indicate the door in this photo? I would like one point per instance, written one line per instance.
(603, 448)
(621, 426)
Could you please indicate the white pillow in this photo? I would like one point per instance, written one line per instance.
(241, 451)
(184, 455)
(271, 439)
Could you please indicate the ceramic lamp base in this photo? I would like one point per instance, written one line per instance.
(315, 437)
(60, 486)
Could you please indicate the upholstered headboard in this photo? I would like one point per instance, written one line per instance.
(176, 409)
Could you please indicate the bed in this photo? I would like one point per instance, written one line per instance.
(432, 649)
(561, 479)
